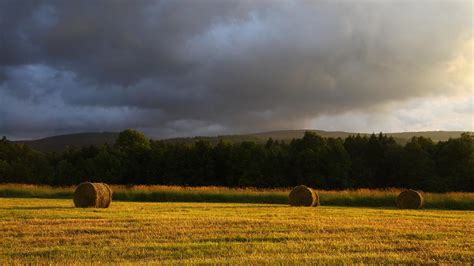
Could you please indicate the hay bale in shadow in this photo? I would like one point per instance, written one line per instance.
(303, 196)
(97, 195)
(410, 199)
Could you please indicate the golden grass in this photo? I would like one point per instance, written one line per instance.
(53, 231)
(215, 189)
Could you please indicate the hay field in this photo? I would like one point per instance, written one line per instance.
(51, 230)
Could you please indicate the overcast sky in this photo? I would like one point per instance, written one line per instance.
(184, 68)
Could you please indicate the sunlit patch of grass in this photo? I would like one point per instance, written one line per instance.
(43, 231)
(155, 193)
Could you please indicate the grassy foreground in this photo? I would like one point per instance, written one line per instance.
(52, 231)
(355, 198)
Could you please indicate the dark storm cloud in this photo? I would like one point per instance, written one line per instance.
(199, 67)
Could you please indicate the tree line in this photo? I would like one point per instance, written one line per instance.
(375, 161)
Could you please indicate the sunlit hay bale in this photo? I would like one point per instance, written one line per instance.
(303, 196)
(109, 193)
(98, 195)
(410, 199)
(316, 201)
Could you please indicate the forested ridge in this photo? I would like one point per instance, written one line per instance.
(59, 143)
(375, 161)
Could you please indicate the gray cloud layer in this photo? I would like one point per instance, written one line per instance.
(206, 67)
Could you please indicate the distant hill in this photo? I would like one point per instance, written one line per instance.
(59, 143)
(288, 135)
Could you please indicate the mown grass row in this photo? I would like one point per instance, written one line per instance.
(355, 198)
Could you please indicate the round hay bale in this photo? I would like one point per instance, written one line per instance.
(97, 195)
(303, 196)
(410, 199)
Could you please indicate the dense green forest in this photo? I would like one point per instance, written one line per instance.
(375, 161)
